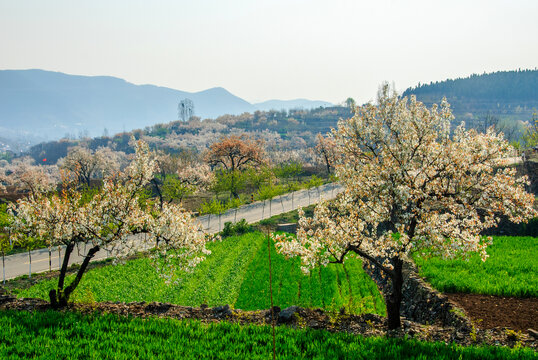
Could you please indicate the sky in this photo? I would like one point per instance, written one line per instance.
(277, 49)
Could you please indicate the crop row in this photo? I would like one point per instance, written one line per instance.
(330, 287)
(236, 273)
(66, 335)
(510, 269)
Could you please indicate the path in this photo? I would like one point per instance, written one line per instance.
(43, 260)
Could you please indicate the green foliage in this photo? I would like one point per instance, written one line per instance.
(509, 271)
(215, 281)
(69, 335)
(289, 217)
(288, 171)
(327, 287)
(232, 181)
(173, 188)
(530, 136)
(88, 193)
(236, 273)
(313, 182)
(239, 228)
(145, 197)
(212, 207)
(5, 245)
(257, 178)
(268, 192)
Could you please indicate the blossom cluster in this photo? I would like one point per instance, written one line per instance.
(110, 217)
(411, 186)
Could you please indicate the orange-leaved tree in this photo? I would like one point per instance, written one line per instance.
(233, 154)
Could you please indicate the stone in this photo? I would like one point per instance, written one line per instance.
(157, 307)
(533, 333)
(222, 311)
(287, 315)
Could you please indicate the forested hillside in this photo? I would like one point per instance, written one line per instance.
(510, 95)
(282, 130)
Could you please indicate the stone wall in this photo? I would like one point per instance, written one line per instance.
(421, 303)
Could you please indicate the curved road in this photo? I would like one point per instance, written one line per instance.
(43, 260)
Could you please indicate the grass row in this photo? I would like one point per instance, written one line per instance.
(236, 273)
(330, 287)
(510, 270)
(55, 335)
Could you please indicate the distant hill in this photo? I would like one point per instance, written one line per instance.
(510, 95)
(290, 104)
(49, 105)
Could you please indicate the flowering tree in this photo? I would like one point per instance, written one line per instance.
(87, 163)
(5, 244)
(325, 149)
(26, 177)
(234, 154)
(106, 221)
(530, 136)
(191, 178)
(410, 187)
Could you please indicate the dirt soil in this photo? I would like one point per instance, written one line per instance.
(497, 311)
(366, 324)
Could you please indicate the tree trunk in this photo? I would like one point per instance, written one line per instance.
(55, 294)
(3, 268)
(327, 163)
(394, 299)
(69, 290)
(29, 264)
(233, 190)
(159, 193)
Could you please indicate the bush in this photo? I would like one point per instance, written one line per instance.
(239, 228)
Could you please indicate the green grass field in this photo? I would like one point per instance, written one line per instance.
(509, 271)
(57, 335)
(236, 273)
(330, 287)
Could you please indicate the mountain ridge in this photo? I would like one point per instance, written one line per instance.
(52, 104)
(512, 95)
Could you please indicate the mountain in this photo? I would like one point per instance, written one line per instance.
(38, 105)
(50, 104)
(509, 95)
(290, 104)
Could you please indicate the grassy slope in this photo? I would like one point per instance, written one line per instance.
(509, 271)
(236, 273)
(326, 287)
(55, 335)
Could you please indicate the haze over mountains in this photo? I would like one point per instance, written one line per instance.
(37, 105)
(43, 105)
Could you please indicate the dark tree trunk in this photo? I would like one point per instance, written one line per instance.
(55, 295)
(327, 163)
(156, 185)
(233, 190)
(69, 290)
(394, 298)
(60, 297)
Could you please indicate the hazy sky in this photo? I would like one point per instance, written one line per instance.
(260, 50)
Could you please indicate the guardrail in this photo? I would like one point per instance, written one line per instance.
(42, 260)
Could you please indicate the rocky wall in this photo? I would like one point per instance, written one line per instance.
(421, 303)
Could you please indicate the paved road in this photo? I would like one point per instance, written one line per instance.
(43, 260)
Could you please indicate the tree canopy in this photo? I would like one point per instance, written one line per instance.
(410, 186)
